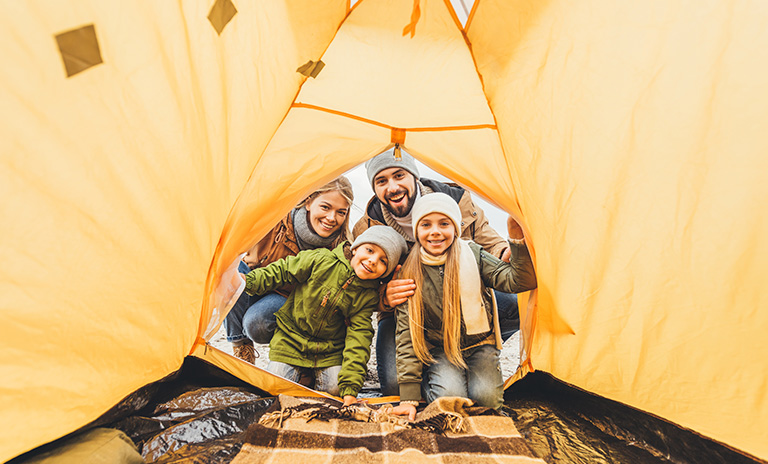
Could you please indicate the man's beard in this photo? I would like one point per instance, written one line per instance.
(401, 210)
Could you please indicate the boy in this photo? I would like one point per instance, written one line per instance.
(325, 324)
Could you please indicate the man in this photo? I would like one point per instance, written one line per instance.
(397, 184)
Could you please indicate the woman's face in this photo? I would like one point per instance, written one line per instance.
(435, 233)
(327, 213)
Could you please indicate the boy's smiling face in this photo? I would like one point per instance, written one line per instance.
(369, 261)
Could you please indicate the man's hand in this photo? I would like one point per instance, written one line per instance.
(405, 409)
(514, 230)
(398, 291)
(349, 399)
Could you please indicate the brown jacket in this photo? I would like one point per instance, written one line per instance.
(277, 244)
(474, 224)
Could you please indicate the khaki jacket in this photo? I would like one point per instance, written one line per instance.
(514, 277)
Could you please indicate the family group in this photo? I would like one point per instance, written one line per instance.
(423, 257)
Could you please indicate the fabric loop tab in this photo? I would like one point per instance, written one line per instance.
(398, 136)
(415, 14)
(311, 68)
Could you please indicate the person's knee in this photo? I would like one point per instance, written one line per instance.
(454, 388)
(485, 384)
(257, 329)
(444, 382)
(284, 370)
(332, 389)
(259, 321)
(327, 380)
(488, 396)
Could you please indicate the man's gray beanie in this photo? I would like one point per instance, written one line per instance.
(388, 239)
(388, 160)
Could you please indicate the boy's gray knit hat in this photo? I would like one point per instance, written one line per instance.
(388, 160)
(388, 239)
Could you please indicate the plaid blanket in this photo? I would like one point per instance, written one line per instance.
(315, 430)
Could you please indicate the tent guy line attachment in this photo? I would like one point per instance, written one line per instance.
(402, 130)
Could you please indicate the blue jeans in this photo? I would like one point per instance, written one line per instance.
(253, 317)
(326, 378)
(509, 314)
(509, 322)
(480, 382)
(385, 357)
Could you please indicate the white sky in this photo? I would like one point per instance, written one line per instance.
(462, 7)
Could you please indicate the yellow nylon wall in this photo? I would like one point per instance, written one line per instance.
(115, 185)
(638, 132)
(631, 150)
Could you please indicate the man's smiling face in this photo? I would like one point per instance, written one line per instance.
(396, 190)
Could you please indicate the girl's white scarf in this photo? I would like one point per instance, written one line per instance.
(470, 288)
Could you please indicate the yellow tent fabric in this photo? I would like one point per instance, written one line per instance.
(147, 143)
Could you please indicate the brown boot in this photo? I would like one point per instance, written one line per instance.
(246, 352)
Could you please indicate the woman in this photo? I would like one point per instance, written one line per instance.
(320, 221)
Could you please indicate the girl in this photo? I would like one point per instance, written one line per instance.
(448, 338)
(320, 221)
(324, 328)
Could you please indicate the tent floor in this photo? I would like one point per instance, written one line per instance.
(200, 413)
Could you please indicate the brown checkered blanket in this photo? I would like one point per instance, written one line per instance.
(315, 430)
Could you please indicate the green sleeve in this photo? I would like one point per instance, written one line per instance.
(289, 270)
(514, 277)
(357, 348)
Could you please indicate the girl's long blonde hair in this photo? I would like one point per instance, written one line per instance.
(342, 185)
(451, 306)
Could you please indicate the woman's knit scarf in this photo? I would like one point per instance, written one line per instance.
(307, 238)
(470, 289)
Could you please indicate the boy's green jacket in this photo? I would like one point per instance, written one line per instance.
(326, 320)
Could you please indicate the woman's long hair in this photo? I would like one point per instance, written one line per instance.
(451, 306)
(342, 185)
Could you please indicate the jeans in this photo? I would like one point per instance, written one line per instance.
(253, 317)
(480, 382)
(385, 357)
(326, 378)
(509, 314)
(509, 322)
